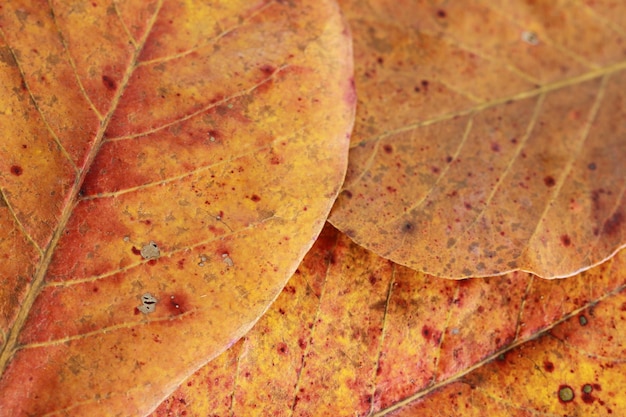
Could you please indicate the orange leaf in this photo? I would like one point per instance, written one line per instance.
(354, 334)
(164, 168)
(489, 135)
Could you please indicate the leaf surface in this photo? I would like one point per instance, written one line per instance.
(489, 135)
(355, 334)
(164, 168)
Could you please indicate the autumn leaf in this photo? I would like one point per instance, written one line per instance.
(355, 334)
(164, 168)
(489, 135)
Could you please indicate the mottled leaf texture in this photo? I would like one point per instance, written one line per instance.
(164, 167)
(489, 136)
(353, 334)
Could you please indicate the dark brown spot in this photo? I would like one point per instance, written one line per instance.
(255, 198)
(408, 227)
(548, 366)
(448, 159)
(373, 279)
(495, 147)
(347, 193)
(435, 170)
(468, 206)
(592, 166)
(441, 13)
(109, 82)
(16, 170)
(565, 240)
(549, 181)
(425, 85)
(387, 148)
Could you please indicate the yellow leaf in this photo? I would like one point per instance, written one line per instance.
(164, 167)
(489, 135)
(354, 334)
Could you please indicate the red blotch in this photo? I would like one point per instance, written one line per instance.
(255, 198)
(267, 69)
(387, 148)
(95, 289)
(495, 147)
(350, 96)
(549, 181)
(177, 304)
(548, 366)
(614, 224)
(16, 170)
(391, 189)
(282, 348)
(565, 239)
(429, 334)
(435, 170)
(302, 343)
(136, 311)
(468, 206)
(290, 289)
(136, 251)
(109, 82)
(181, 263)
(441, 13)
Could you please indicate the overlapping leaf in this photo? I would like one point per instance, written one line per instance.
(354, 334)
(178, 152)
(489, 135)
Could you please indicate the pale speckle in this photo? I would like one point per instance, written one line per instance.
(530, 38)
(227, 260)
(126, 238)
(203, 259)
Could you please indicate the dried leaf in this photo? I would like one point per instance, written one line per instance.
(354, 334)
(489, 135)
(164, 168)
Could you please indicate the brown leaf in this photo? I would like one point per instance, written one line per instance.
(164, 168)
(489, 135)
(354, 334)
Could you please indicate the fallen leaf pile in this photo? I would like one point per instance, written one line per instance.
(167, 170)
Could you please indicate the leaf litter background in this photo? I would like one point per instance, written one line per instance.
(125, 123)
(415, 333)
(540, 128)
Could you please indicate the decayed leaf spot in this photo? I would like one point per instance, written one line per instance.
(469, 133)
(150, 251)
(148, 303)
(566, 393)
(126, 122)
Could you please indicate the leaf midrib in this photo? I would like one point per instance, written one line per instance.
(11, 345)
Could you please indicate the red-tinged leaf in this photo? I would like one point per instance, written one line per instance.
(164, 168)
(354, 334)
(489, 135)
